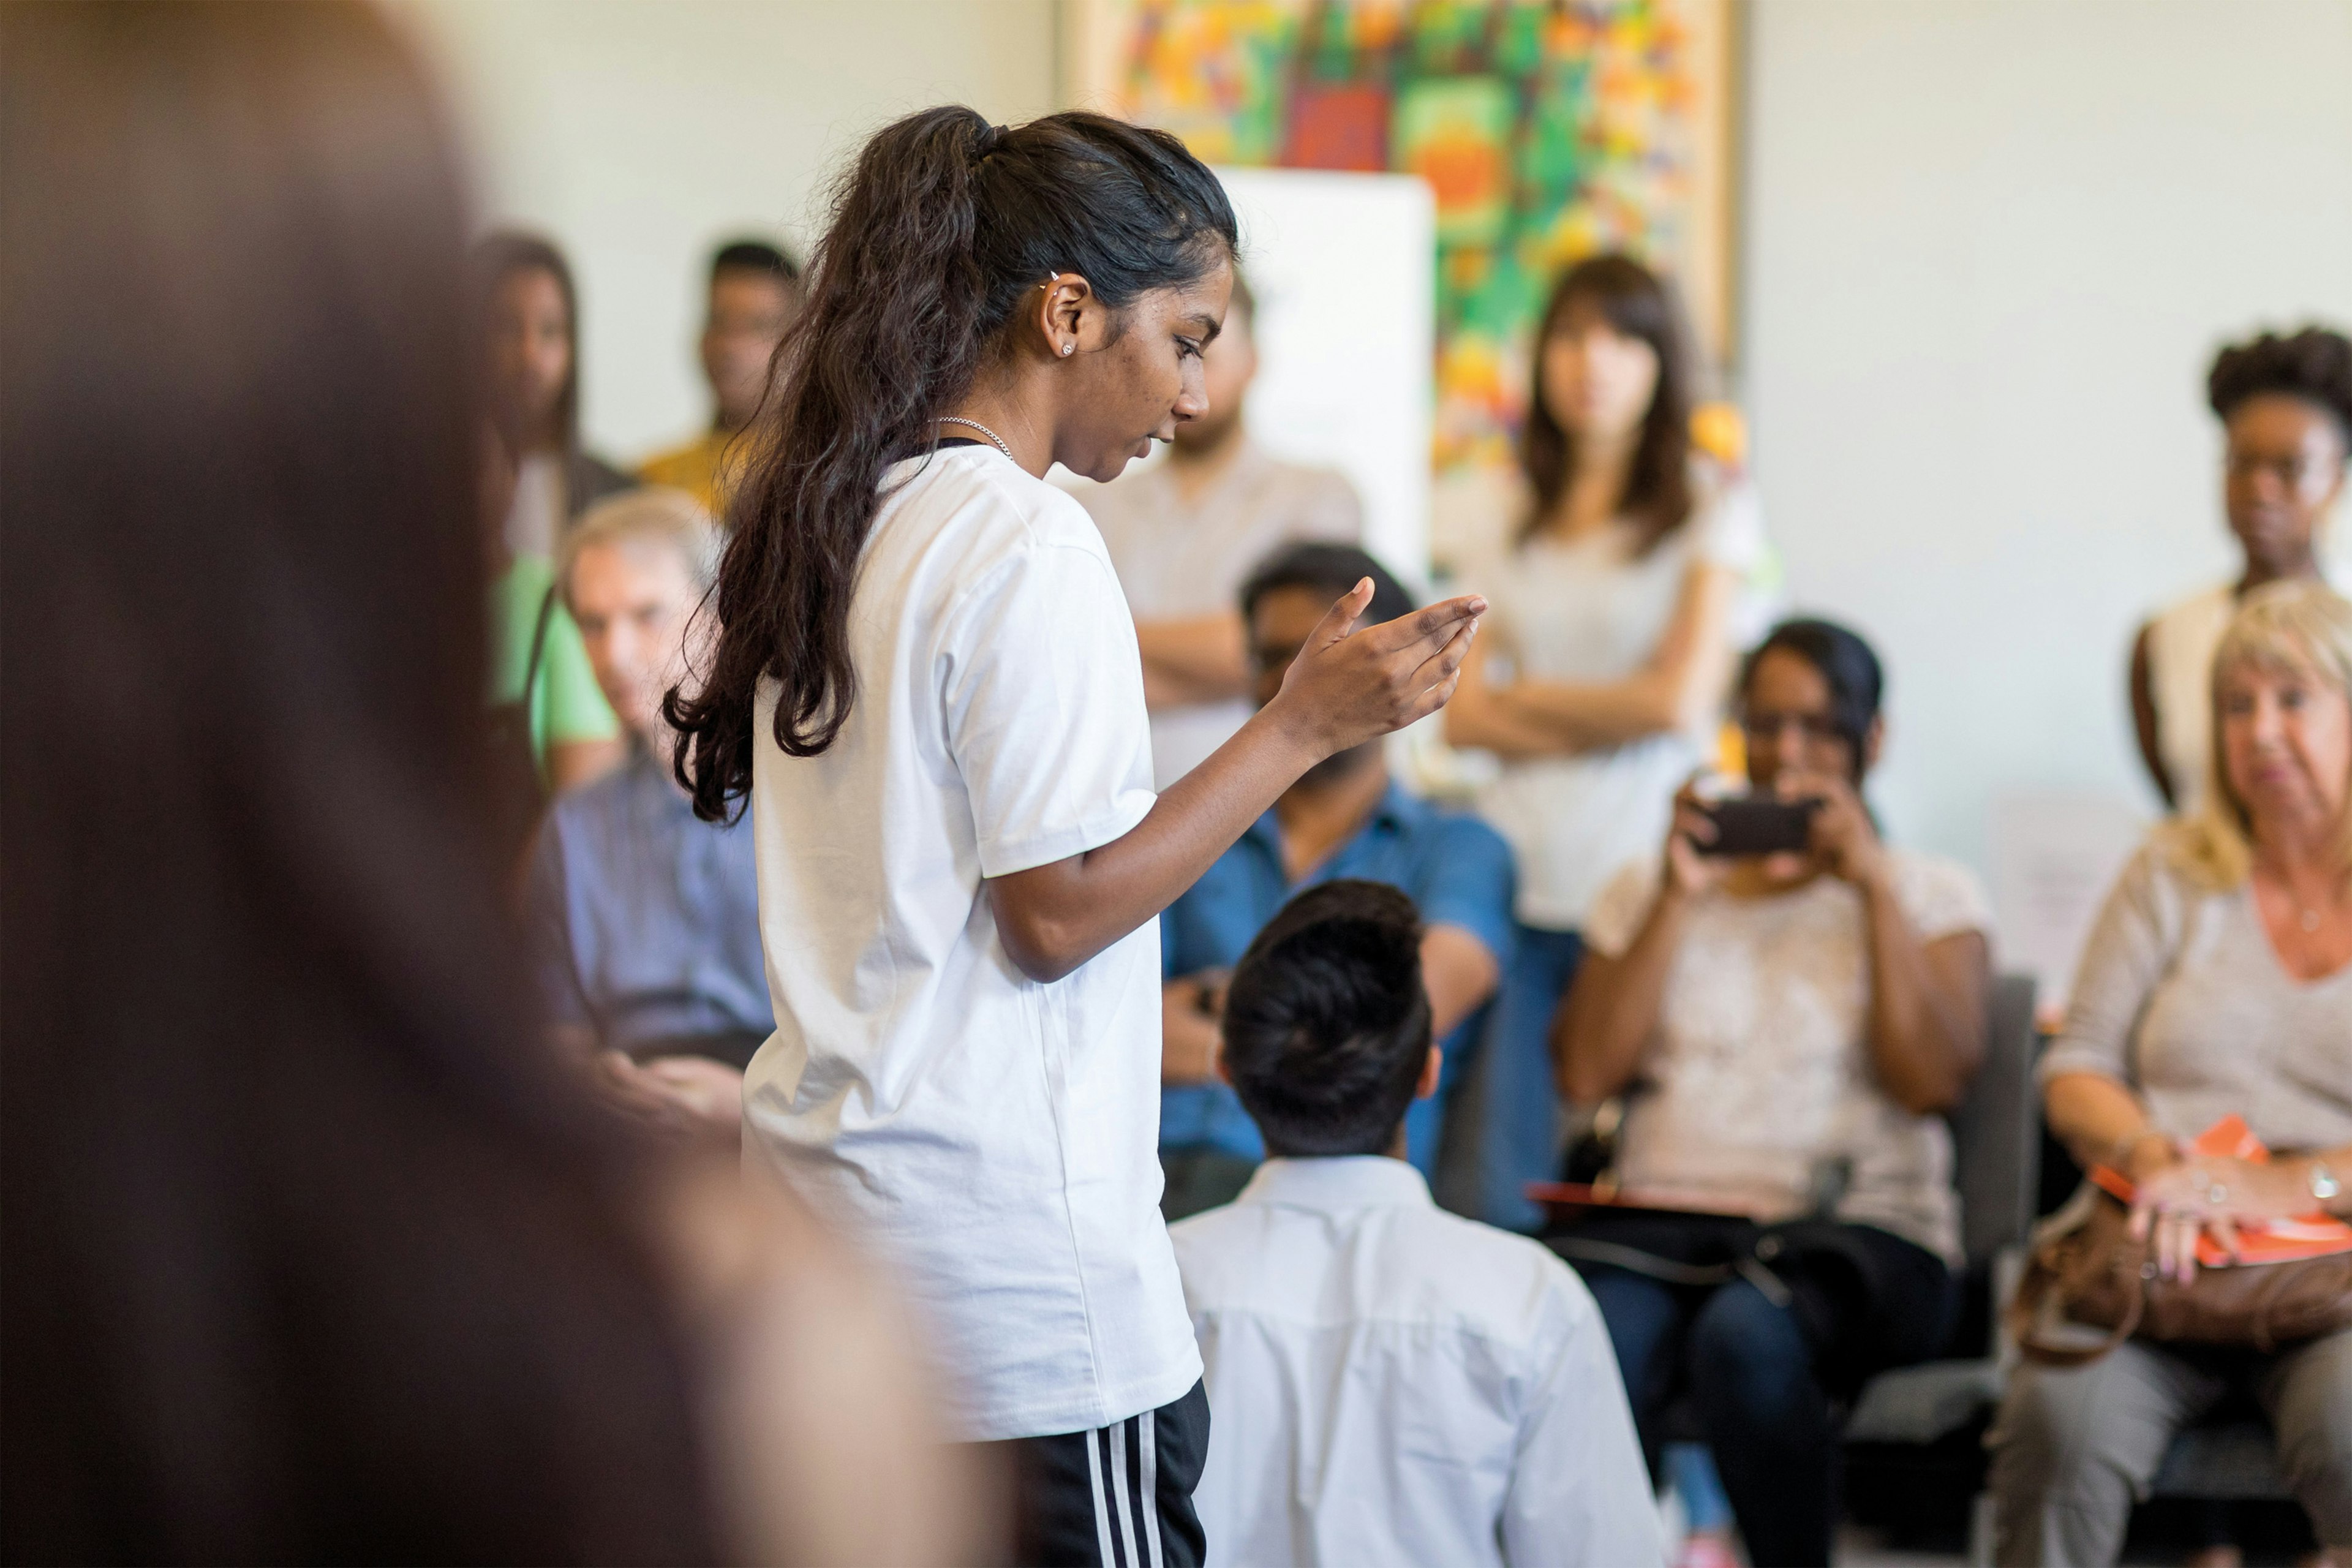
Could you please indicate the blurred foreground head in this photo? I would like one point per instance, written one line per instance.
(310, 1253)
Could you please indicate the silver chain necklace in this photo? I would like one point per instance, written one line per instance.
(992, 436)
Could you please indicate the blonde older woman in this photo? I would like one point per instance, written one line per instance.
(2219, 980)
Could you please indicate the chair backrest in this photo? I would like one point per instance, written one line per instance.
(1997, 1130)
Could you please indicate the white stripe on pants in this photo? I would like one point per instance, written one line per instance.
(1110, 1491)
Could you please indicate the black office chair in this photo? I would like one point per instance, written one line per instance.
(1912, 1437)
(1996, 1151)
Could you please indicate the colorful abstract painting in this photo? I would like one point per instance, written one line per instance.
(1547, 128)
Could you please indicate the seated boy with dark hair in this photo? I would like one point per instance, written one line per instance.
(1391, 1383)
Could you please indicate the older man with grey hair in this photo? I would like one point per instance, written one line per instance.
(644, 919)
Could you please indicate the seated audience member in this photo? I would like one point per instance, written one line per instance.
(1786, 1028)
(1344, 818)
(2285, 407)
(2217, 981)
(646, 916)
(755, 291)
(312, 1255)
(1619, 609)
(1391, 1383)
(529, 321)
(1185, 531)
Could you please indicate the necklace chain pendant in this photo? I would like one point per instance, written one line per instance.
(992, 436)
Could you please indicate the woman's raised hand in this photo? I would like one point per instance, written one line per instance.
(1347, 686)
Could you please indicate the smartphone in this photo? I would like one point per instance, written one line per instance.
(1746, 825)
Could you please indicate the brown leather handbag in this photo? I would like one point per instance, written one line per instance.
(2087, 1270)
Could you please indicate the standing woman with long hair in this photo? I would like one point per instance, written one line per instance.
(928, 686)
(536, 480)
(1613, 646)
(526, 312)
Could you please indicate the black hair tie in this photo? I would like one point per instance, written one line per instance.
(990, 138)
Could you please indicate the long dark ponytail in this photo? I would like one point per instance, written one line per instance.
(938, 231)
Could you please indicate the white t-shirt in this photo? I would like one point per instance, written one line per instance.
(991, 1137)
(1179, 557)
(1758, 1070)
(1389, 1383)
(535, 517)
(1591, 610)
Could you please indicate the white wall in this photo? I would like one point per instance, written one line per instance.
(1343, 268)
(638, 134)
(1991, 247)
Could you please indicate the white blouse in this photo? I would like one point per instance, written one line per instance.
(1758, 1072)
(1590, 610)
(2181, 995)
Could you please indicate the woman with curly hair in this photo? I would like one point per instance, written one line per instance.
(2285, 405)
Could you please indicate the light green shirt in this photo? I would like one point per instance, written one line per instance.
(566, 704)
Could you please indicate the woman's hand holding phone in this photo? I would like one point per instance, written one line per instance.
(1844, 839)
(1691, 865)
(1832, 829)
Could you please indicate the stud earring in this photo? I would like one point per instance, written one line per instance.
(1067, 349)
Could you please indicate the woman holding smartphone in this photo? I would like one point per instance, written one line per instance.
(1788, 1027)
(926, 685)
(1619, 611)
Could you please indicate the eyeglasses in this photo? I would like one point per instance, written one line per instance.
(1760, 725)
(1267, 659)
(2290, 472)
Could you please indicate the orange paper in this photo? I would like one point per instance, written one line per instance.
(2258, 1241)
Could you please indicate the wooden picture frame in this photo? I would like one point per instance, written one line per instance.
(1697, 53)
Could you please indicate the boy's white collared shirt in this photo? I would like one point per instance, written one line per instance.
(1391, 1384)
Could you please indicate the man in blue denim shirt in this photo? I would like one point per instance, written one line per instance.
(1345, 818)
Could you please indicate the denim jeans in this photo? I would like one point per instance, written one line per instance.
(1764, 1380)
(1691, 1469)
(1516, 1106)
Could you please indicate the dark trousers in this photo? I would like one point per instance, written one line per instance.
(1515, 1109)
(1114, 1496)
(1764, 1379)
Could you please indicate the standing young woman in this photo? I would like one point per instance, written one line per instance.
(1615, 614)
(529, 324)
(2285, 407)
(536, 478)
(927, 682)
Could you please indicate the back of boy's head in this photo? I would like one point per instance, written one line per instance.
(1326, 1026)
